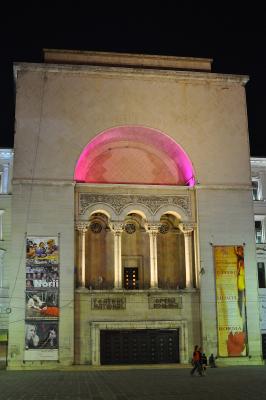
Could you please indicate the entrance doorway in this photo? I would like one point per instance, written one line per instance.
(131, 278)
(139, 346)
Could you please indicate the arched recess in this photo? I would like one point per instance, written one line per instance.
(99, 252)
(134, 155)
(135, 252)
(171, 254)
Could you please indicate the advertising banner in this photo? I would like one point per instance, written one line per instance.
(42, 298)
(230, 300)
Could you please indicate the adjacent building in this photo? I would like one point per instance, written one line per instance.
(258, 170)
(6, 169)
(132, 213)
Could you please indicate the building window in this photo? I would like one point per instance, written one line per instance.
(256, 192)
(258, 231)
(261, 275)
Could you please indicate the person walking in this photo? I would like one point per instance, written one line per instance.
(196, 359)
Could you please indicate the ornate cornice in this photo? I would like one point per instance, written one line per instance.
(120, 201)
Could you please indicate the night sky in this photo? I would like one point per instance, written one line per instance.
(235, 39)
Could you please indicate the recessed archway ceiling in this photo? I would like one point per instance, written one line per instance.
(134, 155)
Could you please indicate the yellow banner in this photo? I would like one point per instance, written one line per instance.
(230, 300)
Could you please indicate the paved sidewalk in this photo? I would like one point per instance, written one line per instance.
(230, 383)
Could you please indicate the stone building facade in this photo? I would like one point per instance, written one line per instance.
(137, 169)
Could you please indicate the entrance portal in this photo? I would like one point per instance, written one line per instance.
(139, 346)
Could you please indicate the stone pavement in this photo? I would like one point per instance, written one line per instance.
(138, 383)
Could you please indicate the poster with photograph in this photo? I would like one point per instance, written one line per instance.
(41, 298)
(41, 335)
(41, 340)
(40, 250)
(230, 300)
(42, 304)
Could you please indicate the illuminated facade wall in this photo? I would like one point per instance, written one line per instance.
(121, 146)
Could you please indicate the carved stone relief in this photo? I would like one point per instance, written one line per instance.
(103, 303)
(130, 228)
(96, 227)
(165, 302)
(164, 228)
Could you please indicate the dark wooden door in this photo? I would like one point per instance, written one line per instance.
(140, 346)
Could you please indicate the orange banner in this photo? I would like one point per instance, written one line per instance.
(230, 300)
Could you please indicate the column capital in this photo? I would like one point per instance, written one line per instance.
(117, 227)
(153, 228)
(82, 226)
(187, 227)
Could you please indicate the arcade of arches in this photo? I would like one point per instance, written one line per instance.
(159, 255)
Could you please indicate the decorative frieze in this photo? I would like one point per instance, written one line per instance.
(119, 202)
(170, 302)
(108, 303)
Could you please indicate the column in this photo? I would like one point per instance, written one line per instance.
(153, 230)
(82, 228)
(187, 229)
(117, 229)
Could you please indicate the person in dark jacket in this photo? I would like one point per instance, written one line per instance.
(196, 360)
(212, 361)
(204, 362)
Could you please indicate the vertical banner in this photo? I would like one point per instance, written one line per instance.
(42, 298)
(230, 300)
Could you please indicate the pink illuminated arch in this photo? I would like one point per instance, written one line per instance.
(134, 155)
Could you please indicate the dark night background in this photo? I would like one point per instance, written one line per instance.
(235, 39)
